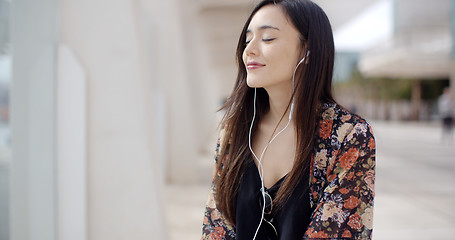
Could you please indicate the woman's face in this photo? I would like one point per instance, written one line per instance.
(272, 50)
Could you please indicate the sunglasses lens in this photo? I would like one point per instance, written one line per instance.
(268, 210)
(268, 203)
(271, 230)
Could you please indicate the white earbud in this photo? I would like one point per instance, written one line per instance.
(292, 110)
(293, 76)
(303, 59)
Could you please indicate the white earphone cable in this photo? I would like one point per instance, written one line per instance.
(261, 169)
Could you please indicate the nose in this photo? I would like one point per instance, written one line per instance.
(251, 48)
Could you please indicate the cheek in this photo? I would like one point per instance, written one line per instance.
(244, 58)
(284, 64)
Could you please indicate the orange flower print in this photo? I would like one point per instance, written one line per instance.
(331, 177)
(343, 131)
(325, 128)
(321, 159)
(348, 158)
(346, 118)
(316, 234)
(328, 114)
(354, 221)
(369, 179)
(214, 236)
(220, 231)
(215, 215)
(329, 210)
(371, 144)
(347, 234)
(367, 218)
(352, 202)
(344, 190)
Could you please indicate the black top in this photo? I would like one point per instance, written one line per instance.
(291, 221)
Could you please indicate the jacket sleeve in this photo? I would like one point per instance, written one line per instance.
(345, 208)
(215, 226)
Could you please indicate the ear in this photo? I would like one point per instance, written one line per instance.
(305, 53)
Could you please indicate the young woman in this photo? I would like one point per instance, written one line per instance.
(290, 162)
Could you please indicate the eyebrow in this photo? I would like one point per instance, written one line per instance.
(263, 27)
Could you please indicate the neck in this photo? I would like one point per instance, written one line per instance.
(279, 100)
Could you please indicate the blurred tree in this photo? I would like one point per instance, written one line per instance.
(432, 89)
(388, 90)
(393, 88)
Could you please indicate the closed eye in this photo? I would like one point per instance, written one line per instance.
(265, 40)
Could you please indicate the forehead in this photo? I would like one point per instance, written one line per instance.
(270, 15)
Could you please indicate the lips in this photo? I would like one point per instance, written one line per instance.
(254, 65)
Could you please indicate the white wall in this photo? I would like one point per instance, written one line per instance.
(123, 183)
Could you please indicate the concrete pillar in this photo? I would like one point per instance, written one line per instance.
(71, 147)
(33, 124)
(166, 48)
(416, 99)
(124, 186)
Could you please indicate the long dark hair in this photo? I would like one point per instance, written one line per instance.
(313, 87)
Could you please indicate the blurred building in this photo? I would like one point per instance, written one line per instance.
(421, 45)
(420, 48)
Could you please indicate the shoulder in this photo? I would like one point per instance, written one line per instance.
(337, 123)
(341, 136)
(340, 115)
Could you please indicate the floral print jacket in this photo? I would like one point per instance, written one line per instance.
(341, 184)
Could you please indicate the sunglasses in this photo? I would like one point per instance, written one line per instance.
(268, 218)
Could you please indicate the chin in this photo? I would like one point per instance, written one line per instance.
(253, 83)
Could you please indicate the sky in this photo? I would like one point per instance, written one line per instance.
(371, 26)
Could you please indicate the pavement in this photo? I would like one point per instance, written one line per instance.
(415, 187)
